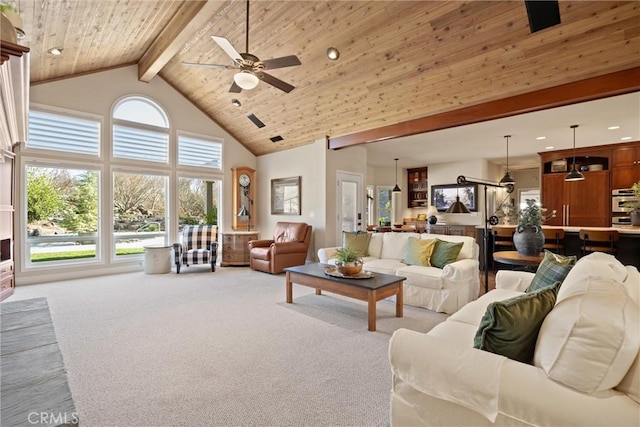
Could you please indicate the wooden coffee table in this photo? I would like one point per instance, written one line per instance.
(372, 290)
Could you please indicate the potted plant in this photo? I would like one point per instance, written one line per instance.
(634, 205)
(348, 262)
(528, 238)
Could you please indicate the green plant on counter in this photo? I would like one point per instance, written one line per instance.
(635, 205)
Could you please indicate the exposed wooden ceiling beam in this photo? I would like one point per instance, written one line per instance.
(191, 16)
(612, 84)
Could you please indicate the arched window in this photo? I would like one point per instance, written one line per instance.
(140, 130)
(140, 110)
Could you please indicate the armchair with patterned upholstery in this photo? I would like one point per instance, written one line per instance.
(288, 247)
(199, 246)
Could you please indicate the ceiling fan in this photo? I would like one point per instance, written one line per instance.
(250, 66)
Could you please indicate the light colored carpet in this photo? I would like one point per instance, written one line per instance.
(223, 348)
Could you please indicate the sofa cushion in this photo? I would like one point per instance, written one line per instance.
(594, 329)
(358, 241)
(472, 313)
(469, 245)
(425, 277)
(553, 268)
(394, 245)
(445, 253)
(510, 327)
(419, 252)
(384, 266)
(599, 265)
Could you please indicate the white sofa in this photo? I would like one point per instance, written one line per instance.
(585, 371)
(439, 289)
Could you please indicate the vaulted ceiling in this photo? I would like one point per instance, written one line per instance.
(399, 60)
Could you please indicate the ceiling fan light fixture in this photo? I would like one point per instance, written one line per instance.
(246, 80)
(333, 53)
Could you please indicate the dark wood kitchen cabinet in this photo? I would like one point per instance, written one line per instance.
(626, 166)
(585, 203)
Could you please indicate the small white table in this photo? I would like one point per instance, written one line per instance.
(157, 259)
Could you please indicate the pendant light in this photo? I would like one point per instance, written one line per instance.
(396, 189)
(574, 175)
(458, 206)
(507, 178)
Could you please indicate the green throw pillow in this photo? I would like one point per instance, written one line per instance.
(358, 241)
(510, 327)
(553, 268)
(445, 253)
(419, 251)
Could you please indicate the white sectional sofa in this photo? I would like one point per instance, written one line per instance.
(439, 289)
(585, 369)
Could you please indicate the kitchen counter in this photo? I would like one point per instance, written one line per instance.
(628, 243)
(622, 229)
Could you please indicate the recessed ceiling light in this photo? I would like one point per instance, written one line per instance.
(333, 53)
(540, 138)
(236, 103)
(55, 51)
(625, 138)
(549, 147)
(613, 127)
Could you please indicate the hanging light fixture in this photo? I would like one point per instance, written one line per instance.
(458, 206)
(575, 174)
(246, 80)
(507, 178)
(396, 189)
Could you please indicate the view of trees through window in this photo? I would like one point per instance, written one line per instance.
(106, 209)
(62, 212)
(197, 200)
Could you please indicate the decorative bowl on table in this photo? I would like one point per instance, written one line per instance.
(350, 268)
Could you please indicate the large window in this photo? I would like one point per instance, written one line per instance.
(139, 212)
(197, 202)
(65, 133)
(140, 131)
(92, 201)
(62, 214)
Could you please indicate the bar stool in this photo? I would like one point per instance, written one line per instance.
(554, 239)
(502, 240)
(599, 241)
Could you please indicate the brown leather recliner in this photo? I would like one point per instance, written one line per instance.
(288, 247)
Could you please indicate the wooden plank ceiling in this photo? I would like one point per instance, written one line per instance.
(399, 60)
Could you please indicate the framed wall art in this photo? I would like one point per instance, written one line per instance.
(443, 196)
(285, 196)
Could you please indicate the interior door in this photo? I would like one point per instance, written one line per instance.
(349, 203)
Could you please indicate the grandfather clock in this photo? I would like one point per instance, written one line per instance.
(243, 196)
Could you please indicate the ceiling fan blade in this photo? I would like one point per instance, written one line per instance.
(235, 88)
(273, 81)
(213, 66)
(228, 48)
(285, 61)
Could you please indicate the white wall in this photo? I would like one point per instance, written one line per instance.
(96, 94)
(307, 162)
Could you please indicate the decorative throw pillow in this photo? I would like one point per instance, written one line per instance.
(419, 251)
(553, 268)
(358, 241)
(590, 340)
(445, 253)
(510, 327)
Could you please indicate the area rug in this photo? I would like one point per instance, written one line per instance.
(34, 383)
